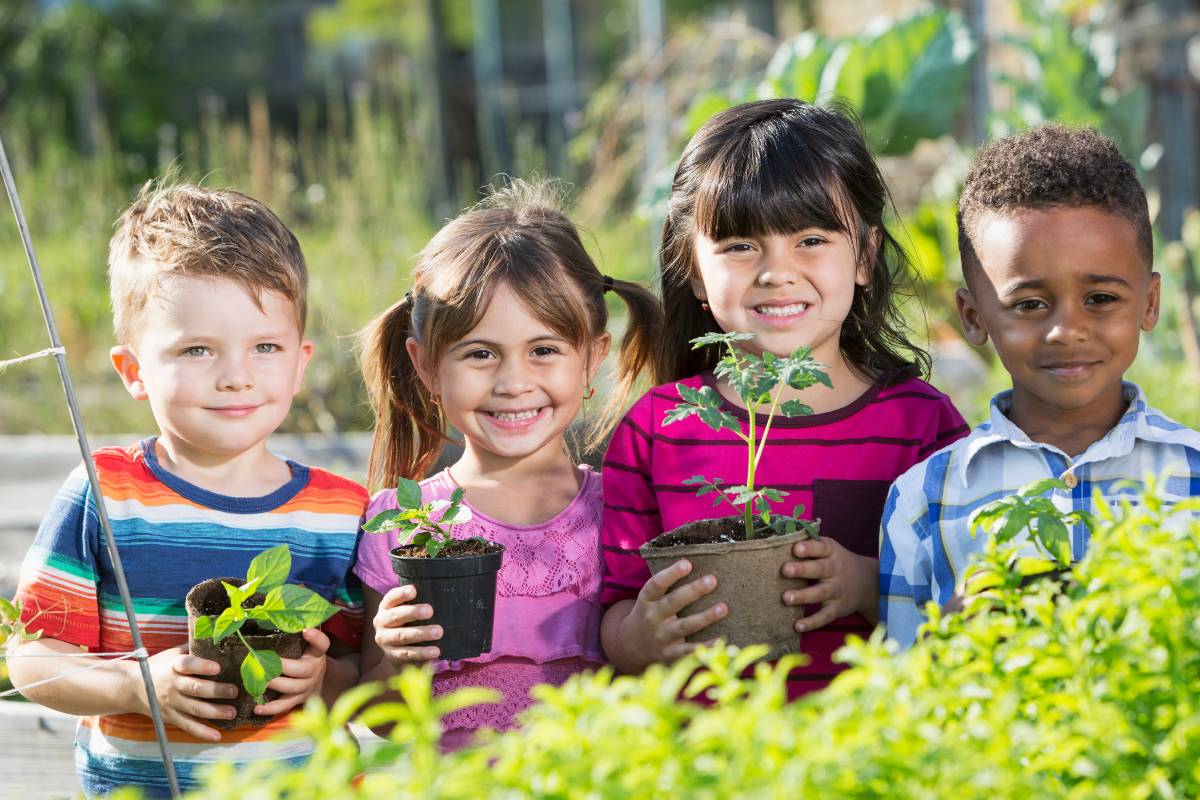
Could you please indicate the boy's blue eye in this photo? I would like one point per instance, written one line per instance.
(196, 352)
(266, 348)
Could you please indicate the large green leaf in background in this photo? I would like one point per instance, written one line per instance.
(907, 80)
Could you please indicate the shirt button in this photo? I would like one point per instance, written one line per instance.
(1070, 480)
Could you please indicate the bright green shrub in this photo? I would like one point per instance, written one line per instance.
(1082, 690)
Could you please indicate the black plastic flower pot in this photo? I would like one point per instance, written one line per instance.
(461, 591)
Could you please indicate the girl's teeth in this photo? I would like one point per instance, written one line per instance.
(520, 415)
(781, 311)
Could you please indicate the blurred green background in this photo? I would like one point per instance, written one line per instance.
(365, 123)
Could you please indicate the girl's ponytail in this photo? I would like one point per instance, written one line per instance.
(409, 432)
(635, 356)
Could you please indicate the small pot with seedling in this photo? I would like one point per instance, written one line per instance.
(747, 550)
(247, 625)
(456, 577)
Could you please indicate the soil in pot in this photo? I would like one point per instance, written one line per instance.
(460, 585)
(749, 581)
(209, 599)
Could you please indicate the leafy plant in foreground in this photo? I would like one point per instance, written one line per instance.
(287, 607)
(426, 525)
(759, 381)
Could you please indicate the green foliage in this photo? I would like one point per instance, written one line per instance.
(759, 381)
(905, 78)
(427, 525)
(286, 607)
(1034, 693)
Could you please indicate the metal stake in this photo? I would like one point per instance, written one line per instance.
(60, 357)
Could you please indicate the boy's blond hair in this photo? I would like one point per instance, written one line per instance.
(192, 231)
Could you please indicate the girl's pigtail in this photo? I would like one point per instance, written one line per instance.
(635, 356)
(409, 432)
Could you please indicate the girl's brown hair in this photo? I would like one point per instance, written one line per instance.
(778, 166)
(519, 237)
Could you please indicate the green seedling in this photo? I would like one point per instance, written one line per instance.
(12, 629)
(425, 525)
(288, 608)
(759, 381)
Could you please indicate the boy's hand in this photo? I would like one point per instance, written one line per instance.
(183, 694)
(653, 631)
(301, 676)
(396, 638)
(841, 581)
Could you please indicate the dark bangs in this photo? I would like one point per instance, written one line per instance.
(768, 183)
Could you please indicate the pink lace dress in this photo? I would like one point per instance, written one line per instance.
(547, 624)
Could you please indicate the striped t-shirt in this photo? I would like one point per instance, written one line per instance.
(171, 535)
(839, 464)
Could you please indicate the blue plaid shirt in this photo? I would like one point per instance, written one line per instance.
(926, 541)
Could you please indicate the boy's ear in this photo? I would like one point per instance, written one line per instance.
(1150, 317)
(306, 354)
(125, 362)
(969, 316)
(420, 360)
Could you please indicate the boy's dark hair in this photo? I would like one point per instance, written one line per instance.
(1050, 166)
(778, 166)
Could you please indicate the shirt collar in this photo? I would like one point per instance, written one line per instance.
(1134, 423)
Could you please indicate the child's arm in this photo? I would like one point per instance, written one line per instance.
(116, 687)
(905, 562)
(841, 581)
(648, 630)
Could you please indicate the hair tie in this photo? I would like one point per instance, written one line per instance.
(608, 283)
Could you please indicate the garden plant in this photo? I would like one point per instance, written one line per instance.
(247, 625)
(456, 577)
(1031, 693)
(746, 550)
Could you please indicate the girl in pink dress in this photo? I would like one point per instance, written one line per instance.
(500, 337)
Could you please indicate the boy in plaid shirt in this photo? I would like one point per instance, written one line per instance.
(1057, 255)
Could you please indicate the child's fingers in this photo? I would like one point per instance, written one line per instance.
(199, 709)
(813, 569)
(318, 641)
(826, 615)
(400, 595)
(661, 582)
(192, 665)
(204, 689)
(285, 702)
(676, 651)
(814, 548)
(685, 626)
(290, 686)
(399, 616)
(687, 594)
(192, 726)
(407, 636)
(809, 595)
(412, 655)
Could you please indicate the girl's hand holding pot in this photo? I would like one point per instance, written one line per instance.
(653, 628)
(400, 640)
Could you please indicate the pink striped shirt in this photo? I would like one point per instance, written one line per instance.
(839, 464)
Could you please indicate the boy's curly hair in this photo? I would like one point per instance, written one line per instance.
(1049, 166)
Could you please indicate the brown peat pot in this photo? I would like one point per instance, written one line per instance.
(209, 599)
(461, 589)
(749, 581)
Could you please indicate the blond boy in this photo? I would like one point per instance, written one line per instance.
(209, 300)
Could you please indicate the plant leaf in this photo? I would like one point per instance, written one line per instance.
(203, 628)
(228, 623)
(293, 608)
(259, 668)
(794, 408)
(720, 338)
(408, 493)
(271, 568)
